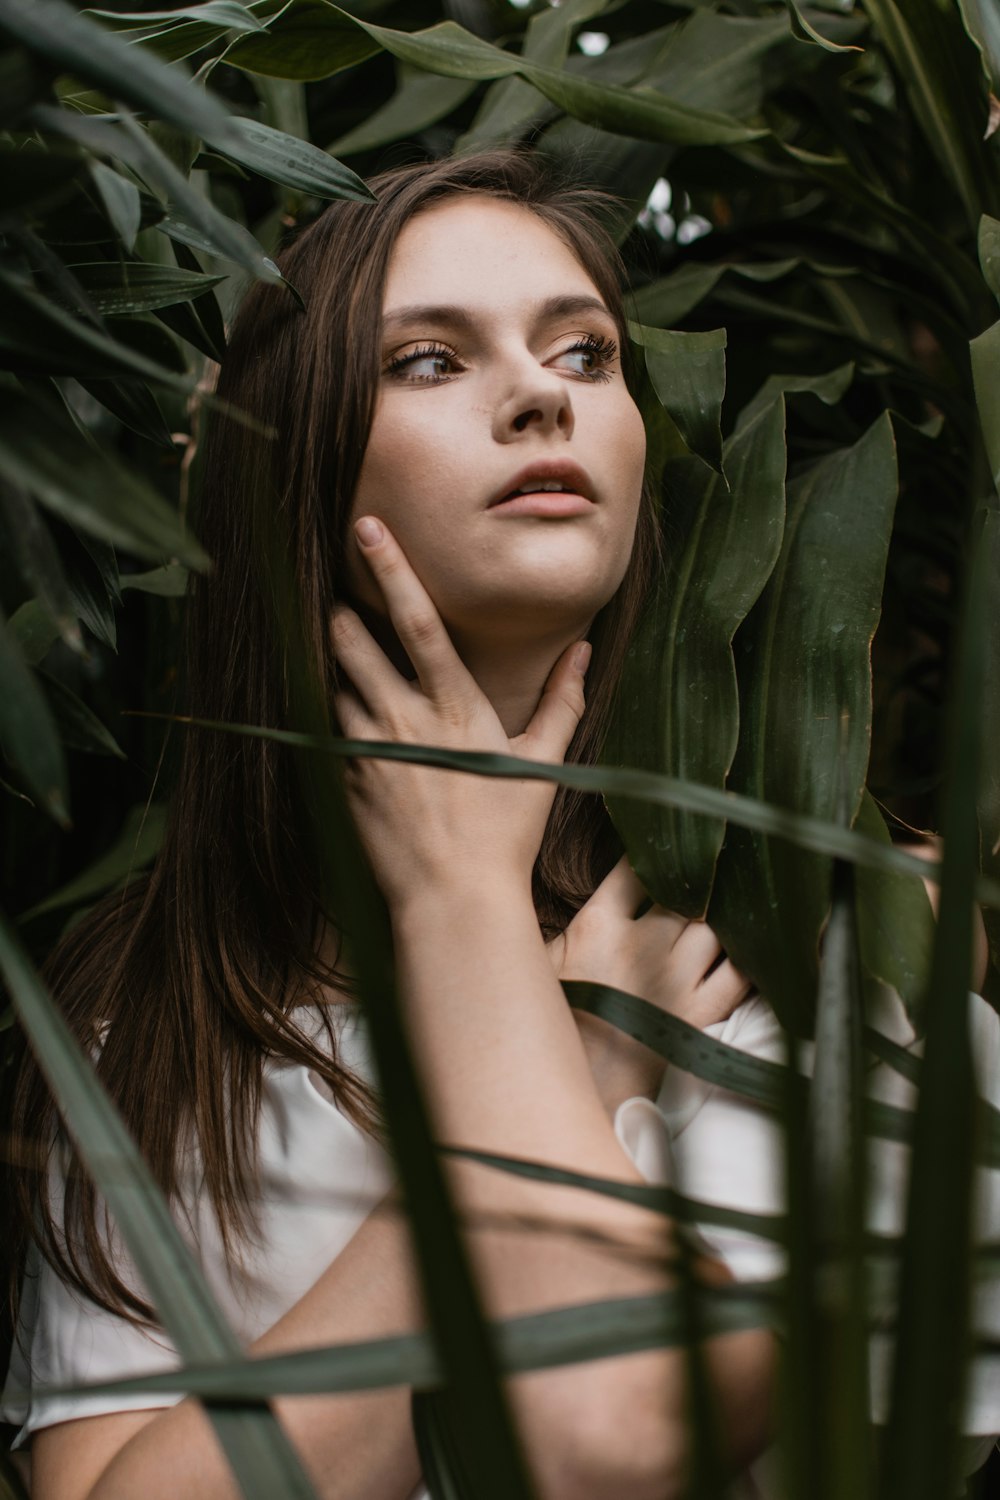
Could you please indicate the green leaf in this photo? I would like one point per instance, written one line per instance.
(90, 489)
(305, 41)
(688, 371)
(33, 550)
(136, 846)
(921, 1449)
(807, 33)
(989, 252)
(989, 781)
(940, 69)
(34, 630)
(895, 923)
(511, 105)
(293, 163)
(61, 36)
(669, 300)
(817, 835)
(39, 337)
(985, 354)
(121, 201)
(79, 727)
(134, 404)
(803, 660)
(119, 288)
(262, 1458)
(29, 739)
(982, 22)
(168, 582)
(837, 1373)
(829, 388)
(228, 14)
(678, 704)
(420, 100)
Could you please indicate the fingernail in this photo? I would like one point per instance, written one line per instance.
(368, 531)
(581, 656)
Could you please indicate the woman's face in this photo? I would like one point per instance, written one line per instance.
(501, 373)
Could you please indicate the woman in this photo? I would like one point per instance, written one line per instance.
(454, 484)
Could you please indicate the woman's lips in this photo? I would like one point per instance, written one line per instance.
(549, 504)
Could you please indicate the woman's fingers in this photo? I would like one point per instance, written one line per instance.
(374, 679)
(560, 708)
(439, 669)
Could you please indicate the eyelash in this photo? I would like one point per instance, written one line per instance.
(603, 349)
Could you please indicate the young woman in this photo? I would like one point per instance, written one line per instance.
(453, 481)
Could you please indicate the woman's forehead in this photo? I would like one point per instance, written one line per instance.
(484, 252)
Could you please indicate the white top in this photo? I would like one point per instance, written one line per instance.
(320, 1176)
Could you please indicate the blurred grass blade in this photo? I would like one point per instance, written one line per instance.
(839, 1184)
(262, 1459)
(136, 846)
(895, 923)
(807, 832)
(678, 705)
(121, 202)
(985, 353)
(804, 662)
(226, 13)
(989, 786)
(932, 1342)
(32, 551)
(688, 371)
(29, 737)
(538, 1341)
(989, 252)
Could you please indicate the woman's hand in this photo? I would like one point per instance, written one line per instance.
(422, 825)
(676, 964)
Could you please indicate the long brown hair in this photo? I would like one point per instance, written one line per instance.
(187, 982)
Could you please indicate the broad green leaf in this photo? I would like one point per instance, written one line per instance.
(61, 36)
(829, 388)
(79, 727)
(29, 739)
(817, 835)
(678, 704)
(803, 660)
(121, 202)
(511, 105)
(712, 58)
(305, 41)
(940, 69)
(921, 1449)
(985, 353)
(136, 846)
(168, 582)
(982, 22)
(225, 13)
(805, 32)
(895, 923)
(88, 488)
(293, 163)
(261, 1456)
(668, 301)
(420, 100)
(989, 252)
(119, 288)
(640, 112)
(688, 371)
(134, 404)
(34, 630)
(838, 1377)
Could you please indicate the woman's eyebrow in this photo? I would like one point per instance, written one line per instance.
(452, 315)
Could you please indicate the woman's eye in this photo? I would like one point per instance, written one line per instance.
(425, 366)
(589, 357)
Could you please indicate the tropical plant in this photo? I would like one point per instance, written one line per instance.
(810, 212)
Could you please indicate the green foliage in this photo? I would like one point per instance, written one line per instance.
(816, 304)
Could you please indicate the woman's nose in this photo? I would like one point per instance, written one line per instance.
(539, 400)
